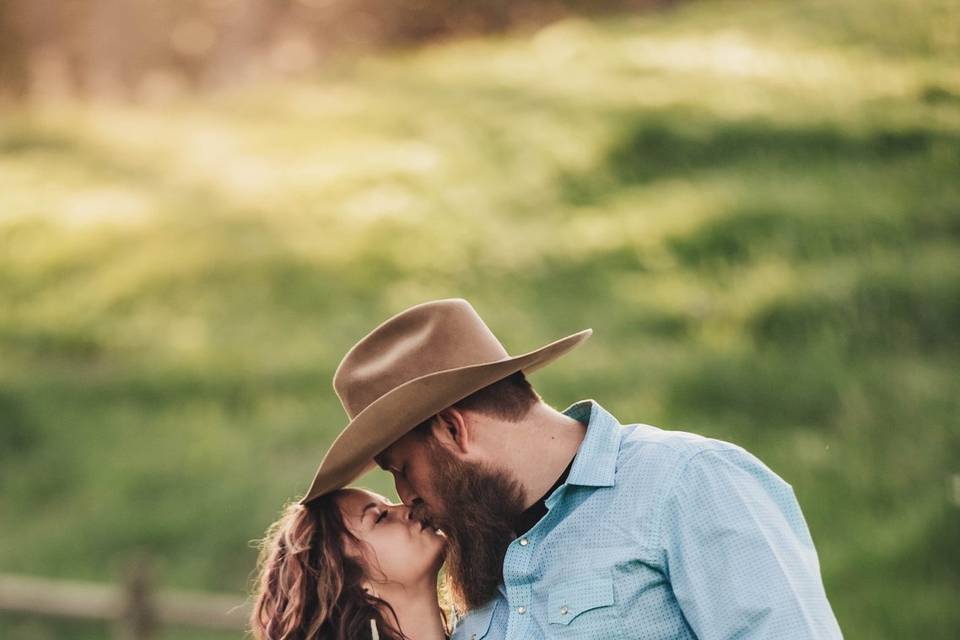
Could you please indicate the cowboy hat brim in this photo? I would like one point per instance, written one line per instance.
(392, 415)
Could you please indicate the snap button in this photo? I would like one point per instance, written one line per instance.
(564, 610)
(524, 542)
(521, 610)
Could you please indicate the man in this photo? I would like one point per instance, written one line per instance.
(569, 524)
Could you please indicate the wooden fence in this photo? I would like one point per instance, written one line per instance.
(136, 609)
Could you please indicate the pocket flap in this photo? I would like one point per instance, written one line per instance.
(567, 600)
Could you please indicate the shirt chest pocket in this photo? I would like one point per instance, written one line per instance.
(584, 606)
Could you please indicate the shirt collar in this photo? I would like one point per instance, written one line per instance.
(595, 464)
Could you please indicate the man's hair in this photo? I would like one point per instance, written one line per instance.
(509, 399)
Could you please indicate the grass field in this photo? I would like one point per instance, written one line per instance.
(755, 205)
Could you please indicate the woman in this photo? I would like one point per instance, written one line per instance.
(349, 565)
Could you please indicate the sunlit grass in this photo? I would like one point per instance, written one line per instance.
(754, 205)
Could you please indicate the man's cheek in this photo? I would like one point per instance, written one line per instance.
(435, 503)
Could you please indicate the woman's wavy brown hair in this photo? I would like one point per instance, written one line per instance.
(307, 587)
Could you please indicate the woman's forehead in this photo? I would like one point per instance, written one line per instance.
(353, 501)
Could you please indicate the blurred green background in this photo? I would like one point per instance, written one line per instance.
(754, 204)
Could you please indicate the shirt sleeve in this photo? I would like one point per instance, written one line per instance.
(738, 553)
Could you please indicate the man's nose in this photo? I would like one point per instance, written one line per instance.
(416, 510)
(406, 493)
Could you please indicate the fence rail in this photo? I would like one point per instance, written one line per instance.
(136, 608)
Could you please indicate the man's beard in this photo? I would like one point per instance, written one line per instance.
(479, 508)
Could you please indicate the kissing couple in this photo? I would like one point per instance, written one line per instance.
(543, 523)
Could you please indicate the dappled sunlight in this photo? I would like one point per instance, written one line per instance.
(845, 75)
(120, 207)
(730, 53)
(373, 205)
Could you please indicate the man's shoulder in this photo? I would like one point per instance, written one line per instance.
(648, 451)
(652, 444)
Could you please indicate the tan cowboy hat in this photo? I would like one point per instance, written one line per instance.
(411, 367)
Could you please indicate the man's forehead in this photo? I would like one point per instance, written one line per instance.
(389, 455)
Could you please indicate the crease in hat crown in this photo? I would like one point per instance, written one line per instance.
(394, 352)
(410, 367)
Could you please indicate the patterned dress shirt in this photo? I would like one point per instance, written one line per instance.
(660, 535)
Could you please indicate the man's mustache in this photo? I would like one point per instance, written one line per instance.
(420, 512)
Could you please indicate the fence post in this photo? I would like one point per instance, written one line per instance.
(138, 620)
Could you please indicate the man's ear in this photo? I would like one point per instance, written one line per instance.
(452, 430)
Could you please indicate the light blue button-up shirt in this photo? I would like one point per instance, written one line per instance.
(659, 535)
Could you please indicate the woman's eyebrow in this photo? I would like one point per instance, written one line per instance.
(364, 512)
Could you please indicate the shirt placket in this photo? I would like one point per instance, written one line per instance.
(518, 578)
(518, 573)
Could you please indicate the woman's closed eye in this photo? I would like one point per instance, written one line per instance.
(383, 514)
